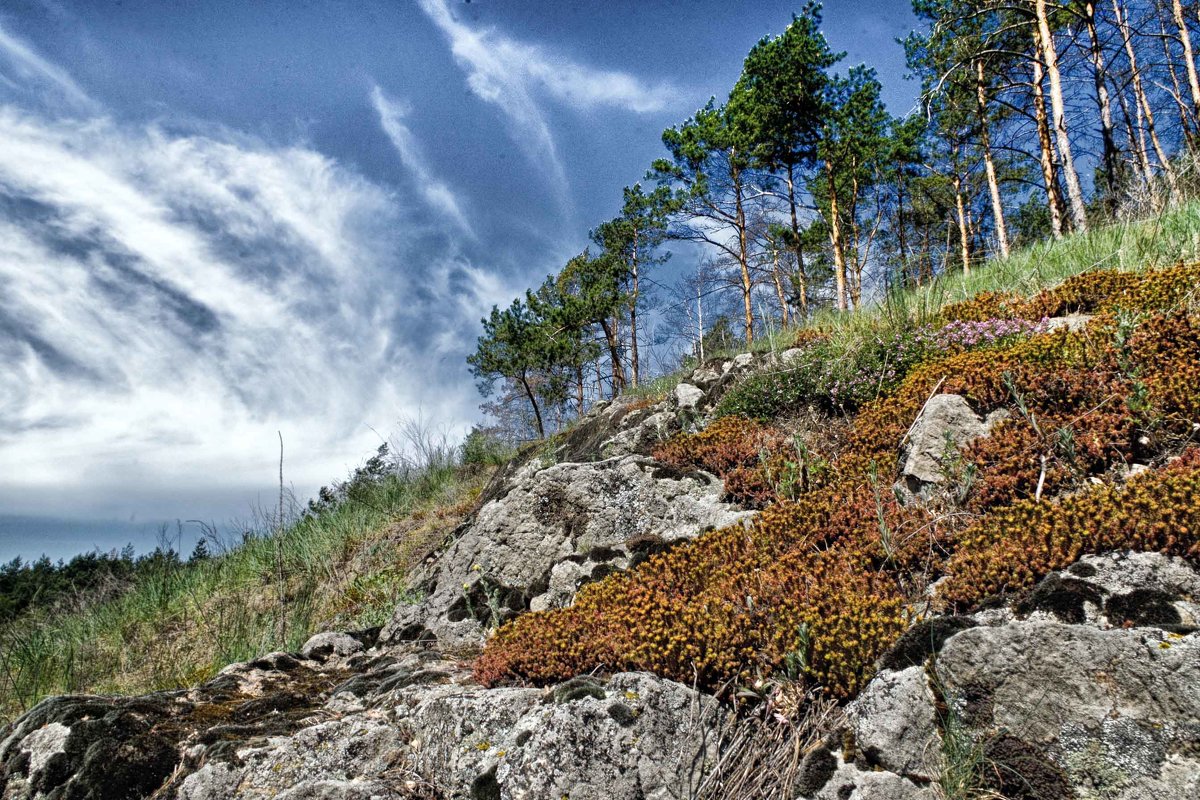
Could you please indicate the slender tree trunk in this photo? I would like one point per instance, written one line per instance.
(579, 389)
(1046, 146)
(1185, 112)
(964, 239)
(778, 279)
(1131, 134)
(1111, 155)
(990, 167)
(1050, 57)
(901, 237)
(1143, 103)
(1189, 60)
(537, 412)
(835, 240)
(634, 366)
(1137, 138)
(801, 277)
(856, 266)
(743, 249)
(612, 339)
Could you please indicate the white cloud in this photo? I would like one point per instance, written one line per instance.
(509, 74)
(28, 67)
(169, 301)
(436, 193)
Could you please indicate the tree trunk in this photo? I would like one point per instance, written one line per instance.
(990, 167)
(537, 412)
(1046, 145)
(743, 249)
(901, 239)
(1050, 57)
(835, 240)
(612, 339)
(1137, 144)
(779, 293)
(801, 277)
(1185, 112)
(579, 389)
(857, 251)
(1106, 125)
(964, 239)
(1143, 103)
(634, 367)
(1188, 58)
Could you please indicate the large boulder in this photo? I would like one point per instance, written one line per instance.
(556, 529)
(127, 748)
(1086, 686)
(635, 736)
(631, 737)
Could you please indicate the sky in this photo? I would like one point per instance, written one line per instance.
(226, 222)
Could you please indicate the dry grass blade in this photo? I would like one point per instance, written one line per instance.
(760, 756)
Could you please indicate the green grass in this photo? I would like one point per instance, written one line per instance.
(1167, 239)
(853, 346)
(342, 566)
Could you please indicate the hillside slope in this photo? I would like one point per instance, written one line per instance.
(941, 550)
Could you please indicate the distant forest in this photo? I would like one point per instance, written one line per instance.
(43, 584)
(805, 196)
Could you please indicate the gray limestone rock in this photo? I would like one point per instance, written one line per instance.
(595, 515)
(705, 377)
(895, 725)
(688, 397)
(638, 736)
(1072, 322)
(946, 424)
(324, 645)
(852, 782)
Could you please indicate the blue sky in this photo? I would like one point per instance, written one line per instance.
(226, 219)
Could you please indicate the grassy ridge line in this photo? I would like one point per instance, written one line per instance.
(1132, 246)
(343, 566)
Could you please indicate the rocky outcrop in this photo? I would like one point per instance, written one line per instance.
(1087, 686)
(377, 723)
(106, 748)
(556, 529)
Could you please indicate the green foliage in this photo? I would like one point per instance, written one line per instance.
(519, 344)
(780, 98)
(484, 448)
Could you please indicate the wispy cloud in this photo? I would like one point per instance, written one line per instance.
(169, 299)
(512, 74)
(25, 66)
(436, 193)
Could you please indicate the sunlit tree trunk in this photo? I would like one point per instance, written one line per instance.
(780, 294)
(1050, 57)
(960, 206)
(612, 339)
(990, 167)
(1143, 103)
(1102, 100)
(1046, 146)
(743, 247)
(835, 240)
(1189, 60)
